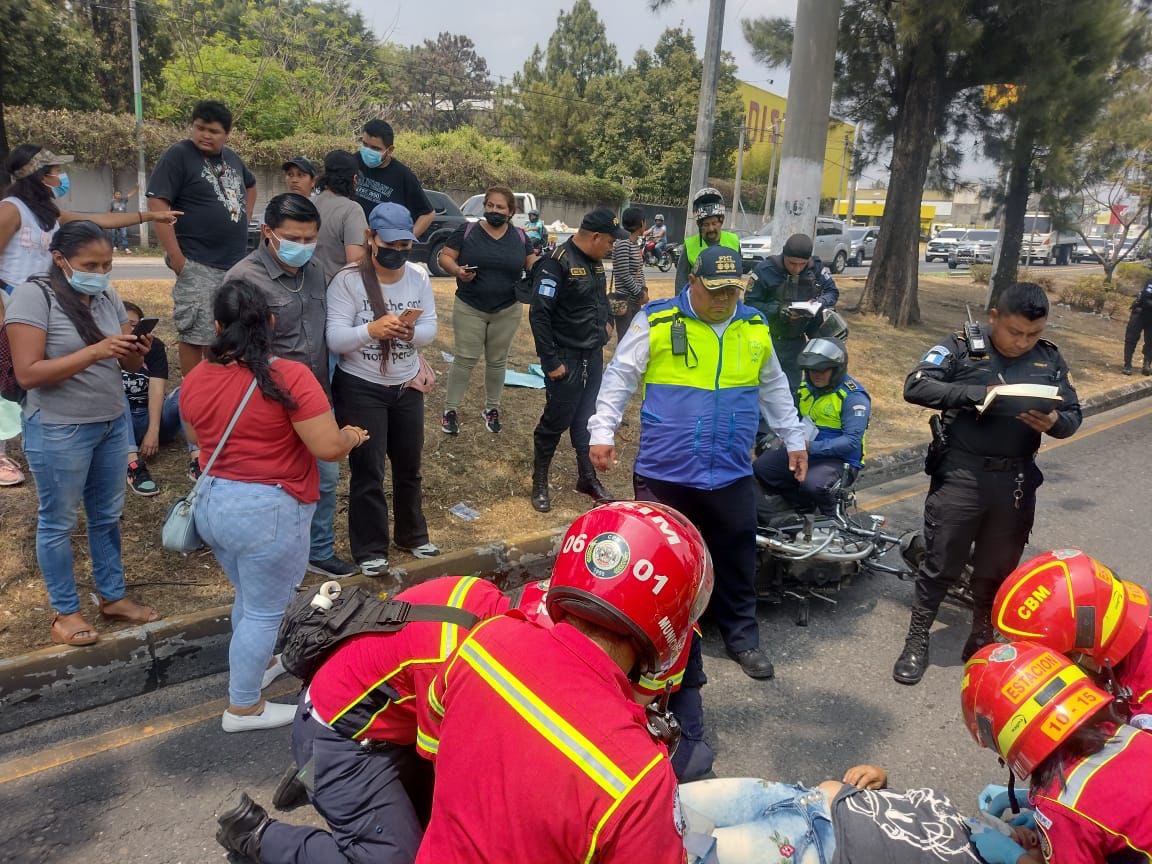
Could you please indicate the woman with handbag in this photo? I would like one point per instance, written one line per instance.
(261, 423)
(629, 288)
(70, 338)
(380, 312)
(488, 259)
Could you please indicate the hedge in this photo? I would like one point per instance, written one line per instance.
(441, 162)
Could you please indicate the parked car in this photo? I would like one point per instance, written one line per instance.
(755, 248)
(1096, 250)
(863, 245)
(1129, 251)
(473, 208)
(832, 243)
(448, 219)
(940, 245)
(975, 247)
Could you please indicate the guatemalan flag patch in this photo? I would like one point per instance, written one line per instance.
(936, 355)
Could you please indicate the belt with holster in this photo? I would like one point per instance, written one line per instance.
(963, 459)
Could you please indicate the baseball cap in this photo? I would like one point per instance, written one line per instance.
(391, 222)
(340, 162)
(798, 246)
(603, 221)
(300, 162)
(719, 267)
(43, 159)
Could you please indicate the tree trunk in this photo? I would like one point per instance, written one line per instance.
(1015, 206)
(891, 288)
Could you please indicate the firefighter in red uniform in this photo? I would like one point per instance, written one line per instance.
(525, 713)
(353, 741)
(1090, 788)
(1073, 604)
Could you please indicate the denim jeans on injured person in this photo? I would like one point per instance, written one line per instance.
(323, 533)
(757, 822)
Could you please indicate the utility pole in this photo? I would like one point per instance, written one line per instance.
(739, 179)
(138, 102)
(852, 184)
(772, 162)
(805, 135)
(706, 108)
(840, 179)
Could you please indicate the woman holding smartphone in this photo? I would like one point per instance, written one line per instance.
(380, 311)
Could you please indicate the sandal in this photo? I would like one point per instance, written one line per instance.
(133, 613)
(82, 633)
(10, 473)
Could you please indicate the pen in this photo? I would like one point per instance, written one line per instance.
(1000, 375)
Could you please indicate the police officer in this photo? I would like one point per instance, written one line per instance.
(1139, 323)
(984, 479)
(708, 208)
(570, 323)
(839, 408)
(778, 281)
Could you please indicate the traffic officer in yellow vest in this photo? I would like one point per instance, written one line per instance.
(708, 369)
(708, 208)
(836, 410)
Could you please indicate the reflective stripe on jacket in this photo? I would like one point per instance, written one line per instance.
(695, 244)
(826, 410)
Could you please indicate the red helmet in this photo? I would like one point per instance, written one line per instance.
(1073, 604)
(529, 599)
(635, 568)
(1023, 700)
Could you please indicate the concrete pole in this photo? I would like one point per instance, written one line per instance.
(840, 180)
(739, 180)
(772, 163)
(706, 108)
(138, 101)
(806, 133)
(852, 199)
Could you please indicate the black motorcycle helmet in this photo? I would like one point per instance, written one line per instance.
(825, 353)
(533, 215)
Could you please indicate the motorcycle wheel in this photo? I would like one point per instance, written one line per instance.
(665, 263)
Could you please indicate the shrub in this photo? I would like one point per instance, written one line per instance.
(1091, 294)
(1025, 274)
(1130, 277)
(981, 273)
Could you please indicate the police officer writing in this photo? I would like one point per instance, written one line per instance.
(983, 470)
(570, 323)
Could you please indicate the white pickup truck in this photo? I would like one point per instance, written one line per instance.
(473, 208)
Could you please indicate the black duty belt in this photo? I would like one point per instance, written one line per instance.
(975, 462)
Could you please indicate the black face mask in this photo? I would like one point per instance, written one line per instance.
(495, 219)
(391, 259)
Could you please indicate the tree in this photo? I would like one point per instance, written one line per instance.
(109, 23)
(442, 82)
(50, 57)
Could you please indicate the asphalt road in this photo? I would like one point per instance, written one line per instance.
(141, 780)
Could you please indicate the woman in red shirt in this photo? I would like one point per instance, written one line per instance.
(256, 507)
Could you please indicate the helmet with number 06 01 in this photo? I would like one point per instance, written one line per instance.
(1023, 701)
(1073, 604)
(638, 569)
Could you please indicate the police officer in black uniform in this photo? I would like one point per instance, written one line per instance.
(983, 469)
(570, 321)
(1139, 323)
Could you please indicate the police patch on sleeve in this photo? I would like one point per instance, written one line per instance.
(547, 288)
(936, 355)
(859, 410)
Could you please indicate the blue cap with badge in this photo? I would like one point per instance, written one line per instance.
(719, 267)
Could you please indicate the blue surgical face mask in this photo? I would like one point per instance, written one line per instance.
(292, 253)
(65, 184)
(89, 283)
(371, 157)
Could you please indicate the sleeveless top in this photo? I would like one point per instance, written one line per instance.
(27, 252)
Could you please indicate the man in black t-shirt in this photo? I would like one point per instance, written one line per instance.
(216, 192)
(381, 178)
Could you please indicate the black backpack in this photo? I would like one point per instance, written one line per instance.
(317, 621)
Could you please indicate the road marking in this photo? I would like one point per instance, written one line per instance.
(114, 739)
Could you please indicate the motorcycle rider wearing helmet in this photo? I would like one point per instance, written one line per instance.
(708, 208)
(839, 408)
(795, 275)
(536, 231)
(1088, 772)
(659, 233)
(524, 710)
(1073, 604)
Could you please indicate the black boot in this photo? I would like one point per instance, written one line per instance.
(540, 500)
(913, 660)
(242, 827)
(982, 633)
(588, 483)
(1146, 369)
(290, 792)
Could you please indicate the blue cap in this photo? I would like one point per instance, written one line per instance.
(719, 267)
(391, 222)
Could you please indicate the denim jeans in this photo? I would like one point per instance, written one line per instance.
(259, 534)
(119, 238)
(757, 822)
(169, 420)
(323, 532)
(74, 462)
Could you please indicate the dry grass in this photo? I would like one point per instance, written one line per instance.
(491, 472)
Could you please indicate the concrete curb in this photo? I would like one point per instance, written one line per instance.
(56, 681)
(52, 682)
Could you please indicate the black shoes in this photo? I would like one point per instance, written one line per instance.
(335, 567)
(1127, 370)
(450, 423)
(754, 662)
(1146, 369)
(913, 660)
(541, 502)
(290, 791)
(241, 828)
(592, 487)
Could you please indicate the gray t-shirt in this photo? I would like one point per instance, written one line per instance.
(342, 223)
(92, 395)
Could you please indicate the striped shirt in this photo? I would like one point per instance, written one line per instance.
(628, 269)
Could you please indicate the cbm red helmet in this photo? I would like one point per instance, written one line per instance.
(1073, 604)
(529, 599)
(1023, 700)
(635, 568)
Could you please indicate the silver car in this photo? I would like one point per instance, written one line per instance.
(863, 245)
(943, 243)
(830, 245)
(975, 247)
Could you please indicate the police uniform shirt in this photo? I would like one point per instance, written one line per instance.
(949, 379)
(772, 288)
(569, 305)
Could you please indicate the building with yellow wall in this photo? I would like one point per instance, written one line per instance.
(764, 111)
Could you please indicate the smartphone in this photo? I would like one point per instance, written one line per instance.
(145, 326)
(469, 268)
(409, 316)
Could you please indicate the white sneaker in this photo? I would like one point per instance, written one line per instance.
(374, 567)
(273, 672)
(427, 550)
(275, 714)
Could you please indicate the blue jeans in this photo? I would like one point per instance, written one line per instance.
(169, 420)
(755, 821)
(323, 533)
(259, 534)
(119, 238)
(74, 462)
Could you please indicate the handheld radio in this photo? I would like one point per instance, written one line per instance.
(974, 336)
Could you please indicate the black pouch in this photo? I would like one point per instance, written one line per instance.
(938, 448)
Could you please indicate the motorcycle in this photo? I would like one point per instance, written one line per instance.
(663, 260)
(806, 555)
